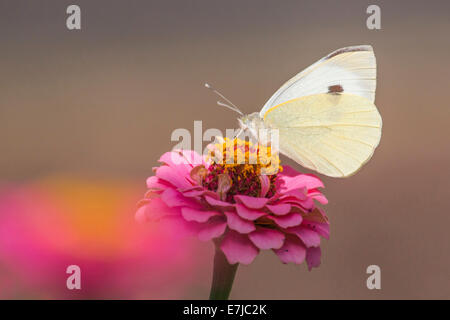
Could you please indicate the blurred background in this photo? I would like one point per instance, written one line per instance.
(84, 116)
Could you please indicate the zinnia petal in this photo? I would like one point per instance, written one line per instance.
(317, 195)
(279, 209)
(212, 230)
(317, 215)
(321, 228)
(293, 250)
(193, 193)
(238, 248)
(305, 205)
(309, 237)
(238, 224)
(193, 158)
(313, 257)
(153, 210)
(251, 202)
(196, 191)
(289, 171)
(191, 214)
(173, 198)
(176, 161)
(296, 180)
(180, 227)
(141, 214)
(247, 213)
(217, 203)
(167, 173)
(265, 238)
(290, 220)
(154, 182)
(297, 194)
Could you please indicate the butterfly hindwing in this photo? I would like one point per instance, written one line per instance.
(332, 133)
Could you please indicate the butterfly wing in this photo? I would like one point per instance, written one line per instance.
(334, 134)
(346, 70)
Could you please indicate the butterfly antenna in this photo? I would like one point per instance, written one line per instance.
(230, 106)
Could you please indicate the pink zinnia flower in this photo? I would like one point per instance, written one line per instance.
(235, 205)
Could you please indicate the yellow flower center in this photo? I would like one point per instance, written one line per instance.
(244, 163)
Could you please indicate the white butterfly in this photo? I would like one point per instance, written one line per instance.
(325, 115)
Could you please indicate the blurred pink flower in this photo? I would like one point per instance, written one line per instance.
(237, 207)
(51, 224)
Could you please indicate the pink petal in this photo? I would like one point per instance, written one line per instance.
(238, 224)
(317, 195)
(152, 193)
(265, 238)
(309, 181)
(175, 160)
(297, 194)
(170, 175)
(247, 213)
(251, 202)
(279, 209)
(290, 220)
(316, 215)
(180, 227)
(306, 204)
(288, 171)
(192, 214)
(217, 203)
(154, 210)
(191, 188)
(238, 248)
(293, 250)
(154, 183)
(309, 237)
(313, 257)
(193, 193)
(197, 191)
(141, 214)
(193, 157)
(211, 230)
(182, 158)
(173, 198)
(321, 228)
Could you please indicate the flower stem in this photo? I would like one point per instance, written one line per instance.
(223, 276)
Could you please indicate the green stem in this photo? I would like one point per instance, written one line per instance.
(223, 276)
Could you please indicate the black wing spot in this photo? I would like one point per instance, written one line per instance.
(337, 88)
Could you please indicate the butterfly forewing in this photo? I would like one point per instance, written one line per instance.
(347, 70)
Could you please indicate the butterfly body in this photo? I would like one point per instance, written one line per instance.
(252, 123)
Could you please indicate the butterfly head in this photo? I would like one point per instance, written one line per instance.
(251, 122)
